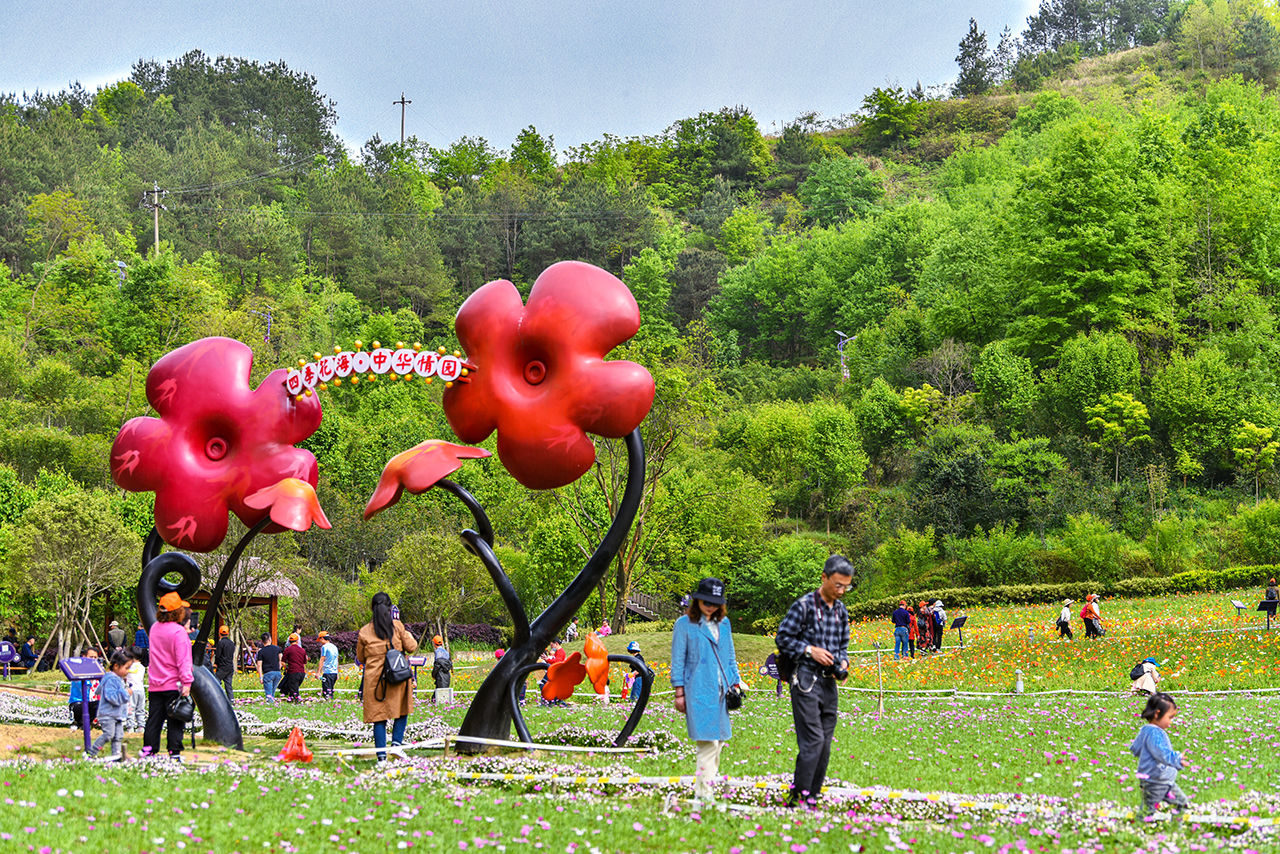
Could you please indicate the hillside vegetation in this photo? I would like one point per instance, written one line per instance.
(1022, 334)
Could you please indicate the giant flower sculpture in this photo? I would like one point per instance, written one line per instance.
(542, 381)
(216, 442)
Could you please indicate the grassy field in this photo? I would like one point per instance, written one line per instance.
(1037, 773)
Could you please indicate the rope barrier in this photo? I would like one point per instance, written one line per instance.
(443, 744)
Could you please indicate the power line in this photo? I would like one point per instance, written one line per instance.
(248, 179)
(521, 215)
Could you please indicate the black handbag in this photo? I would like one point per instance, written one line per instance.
(181, 708)
(732, 694)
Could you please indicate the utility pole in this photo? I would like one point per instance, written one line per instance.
(403, 103)
(156, 207)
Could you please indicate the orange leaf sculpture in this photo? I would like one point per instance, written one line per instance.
(563, 677)
(295, 749)
(292, 504)
(597, 662)
(417, 470)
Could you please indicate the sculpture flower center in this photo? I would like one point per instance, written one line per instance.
(215, 448)
(535, 372)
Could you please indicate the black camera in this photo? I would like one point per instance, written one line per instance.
(836, 672)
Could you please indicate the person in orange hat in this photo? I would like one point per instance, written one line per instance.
(441, 669)
(224, 659)
(327, 665)
(171, 674)
(1273, 592)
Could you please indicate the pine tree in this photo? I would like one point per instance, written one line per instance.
(974, 62)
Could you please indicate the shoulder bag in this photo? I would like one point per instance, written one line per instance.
(732, 693)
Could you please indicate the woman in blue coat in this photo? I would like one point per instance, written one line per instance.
(703, 667)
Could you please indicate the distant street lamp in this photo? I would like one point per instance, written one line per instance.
(844, 339)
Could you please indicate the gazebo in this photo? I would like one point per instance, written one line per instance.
(253, 582)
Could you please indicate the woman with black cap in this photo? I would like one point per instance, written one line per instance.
(703, 668)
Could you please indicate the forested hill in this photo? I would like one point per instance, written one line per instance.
(1022, 331)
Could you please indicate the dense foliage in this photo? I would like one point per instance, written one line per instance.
(1056, 302)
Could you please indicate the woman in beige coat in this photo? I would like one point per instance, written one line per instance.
(382, 702)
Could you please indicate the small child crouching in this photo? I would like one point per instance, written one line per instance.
(1158, 762)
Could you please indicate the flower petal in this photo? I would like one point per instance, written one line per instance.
(417, 470)
(563, 677)
(293, 504)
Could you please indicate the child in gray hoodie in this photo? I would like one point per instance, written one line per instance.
(1158, 762)
(114, 707)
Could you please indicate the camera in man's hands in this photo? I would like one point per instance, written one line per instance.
(836, 672)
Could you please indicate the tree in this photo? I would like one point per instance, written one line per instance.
(1121, 422)
(441, 580)
(976, 72)
(840, 188)
(1255, 452)
(890, 117)
(72, 547)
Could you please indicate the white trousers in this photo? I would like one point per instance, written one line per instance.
(708, 768)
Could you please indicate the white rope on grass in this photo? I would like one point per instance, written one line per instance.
(443, 744)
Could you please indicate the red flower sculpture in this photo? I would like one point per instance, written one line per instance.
(563, 677)
(542, 381)
(216, 442)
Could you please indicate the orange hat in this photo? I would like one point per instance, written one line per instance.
(172, 602)
(438, 641)
(293, 637)
(321, 634)
(222, 630)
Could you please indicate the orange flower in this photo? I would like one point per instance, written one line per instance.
(563, 677)
(597, 662)
(293, 504)
(417, 470)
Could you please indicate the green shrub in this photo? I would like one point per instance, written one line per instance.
(1096, 550)
(1255, 533)
(997, 556)
(1173, 544)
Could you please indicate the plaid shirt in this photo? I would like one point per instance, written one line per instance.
(811, 622)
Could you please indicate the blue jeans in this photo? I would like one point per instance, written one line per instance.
(397, 734)
(270, 680)
(900, 636)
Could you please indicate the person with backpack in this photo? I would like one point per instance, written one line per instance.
(939, 624)
(384, 699)
(1273, 592)
(1145, 676)
(1064, 619)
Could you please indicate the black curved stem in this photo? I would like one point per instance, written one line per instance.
(489, 715)
(215, 598)
(477, 512)
(514, 696)
(519, 619)
(219, 721)
(642, 700)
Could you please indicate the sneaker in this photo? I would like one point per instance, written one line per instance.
(90, 756)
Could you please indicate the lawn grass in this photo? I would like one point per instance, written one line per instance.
(1058, 764)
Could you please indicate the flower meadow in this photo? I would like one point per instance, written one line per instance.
(1004, 773)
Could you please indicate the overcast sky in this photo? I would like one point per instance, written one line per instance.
(575, 70)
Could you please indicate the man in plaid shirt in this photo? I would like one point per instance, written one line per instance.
(815, 634)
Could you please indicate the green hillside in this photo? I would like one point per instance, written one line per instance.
(1053, 289)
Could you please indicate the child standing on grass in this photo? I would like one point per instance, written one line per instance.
(114, 707)
(1158, 762)
(137, 684)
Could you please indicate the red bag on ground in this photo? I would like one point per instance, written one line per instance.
(295, 749)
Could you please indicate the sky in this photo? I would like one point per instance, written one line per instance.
(574, 70)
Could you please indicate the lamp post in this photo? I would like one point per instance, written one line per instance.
(844, 339)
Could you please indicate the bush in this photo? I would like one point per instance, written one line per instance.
(1256, 532)
(997, 556)
(1096, 550)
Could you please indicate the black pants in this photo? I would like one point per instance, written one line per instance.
(157, 716)
(226, 682)
(290, 684)
(1092, 628)
(814, 713)
(1064, 630)
(76, 709)
(327, 681)
(911, 645)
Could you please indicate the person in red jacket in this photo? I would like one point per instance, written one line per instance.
(295, 667)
